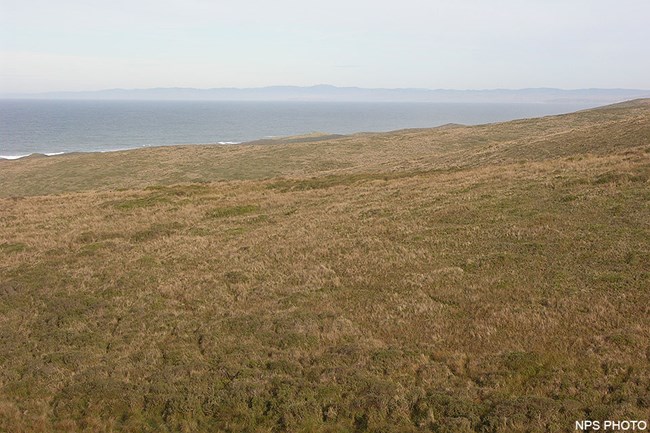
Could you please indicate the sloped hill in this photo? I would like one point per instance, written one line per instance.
(470, 279)
(599, 130)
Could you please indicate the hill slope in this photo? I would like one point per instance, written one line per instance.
(489, 279)
(593, 131)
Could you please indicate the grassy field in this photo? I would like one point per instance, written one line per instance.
(491, 278)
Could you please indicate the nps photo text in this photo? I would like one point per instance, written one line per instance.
(612, 425)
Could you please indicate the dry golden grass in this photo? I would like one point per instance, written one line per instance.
(472, 279)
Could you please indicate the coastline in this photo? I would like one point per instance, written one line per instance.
(49, 154)
(49, 127)
(14, 157)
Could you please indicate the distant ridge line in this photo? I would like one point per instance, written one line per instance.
(329, 93)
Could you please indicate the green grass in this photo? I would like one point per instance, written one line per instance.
(12, 247)
(232, 211)
(141, 202)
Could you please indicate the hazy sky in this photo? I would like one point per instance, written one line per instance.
(465, 44)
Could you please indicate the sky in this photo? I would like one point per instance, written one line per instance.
(72, 45)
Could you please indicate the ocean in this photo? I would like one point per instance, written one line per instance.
(60, 126)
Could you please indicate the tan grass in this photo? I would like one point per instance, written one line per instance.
(487, 279)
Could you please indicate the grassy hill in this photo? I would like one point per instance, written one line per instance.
(490, 278)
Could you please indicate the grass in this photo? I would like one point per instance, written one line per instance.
(468, 279)
(15, 247)
(232, 211)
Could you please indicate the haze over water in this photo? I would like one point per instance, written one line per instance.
(49, 126)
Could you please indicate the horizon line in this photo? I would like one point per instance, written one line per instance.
(325, 85)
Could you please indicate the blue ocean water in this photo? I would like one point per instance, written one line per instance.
(56, 126)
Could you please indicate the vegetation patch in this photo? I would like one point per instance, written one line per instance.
(330, 181)
(617, 178)
(185, 190)
(12, 247)
(95, 237)
(235, 277)
(233, 211)
(92, 248)
(157, 230)
(139, 202)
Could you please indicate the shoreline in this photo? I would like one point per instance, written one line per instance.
(49, 154)
(14, 157)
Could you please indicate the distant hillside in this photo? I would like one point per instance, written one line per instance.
(596, 131)
(333, 93)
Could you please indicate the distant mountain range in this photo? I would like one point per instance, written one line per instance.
(349, 94)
